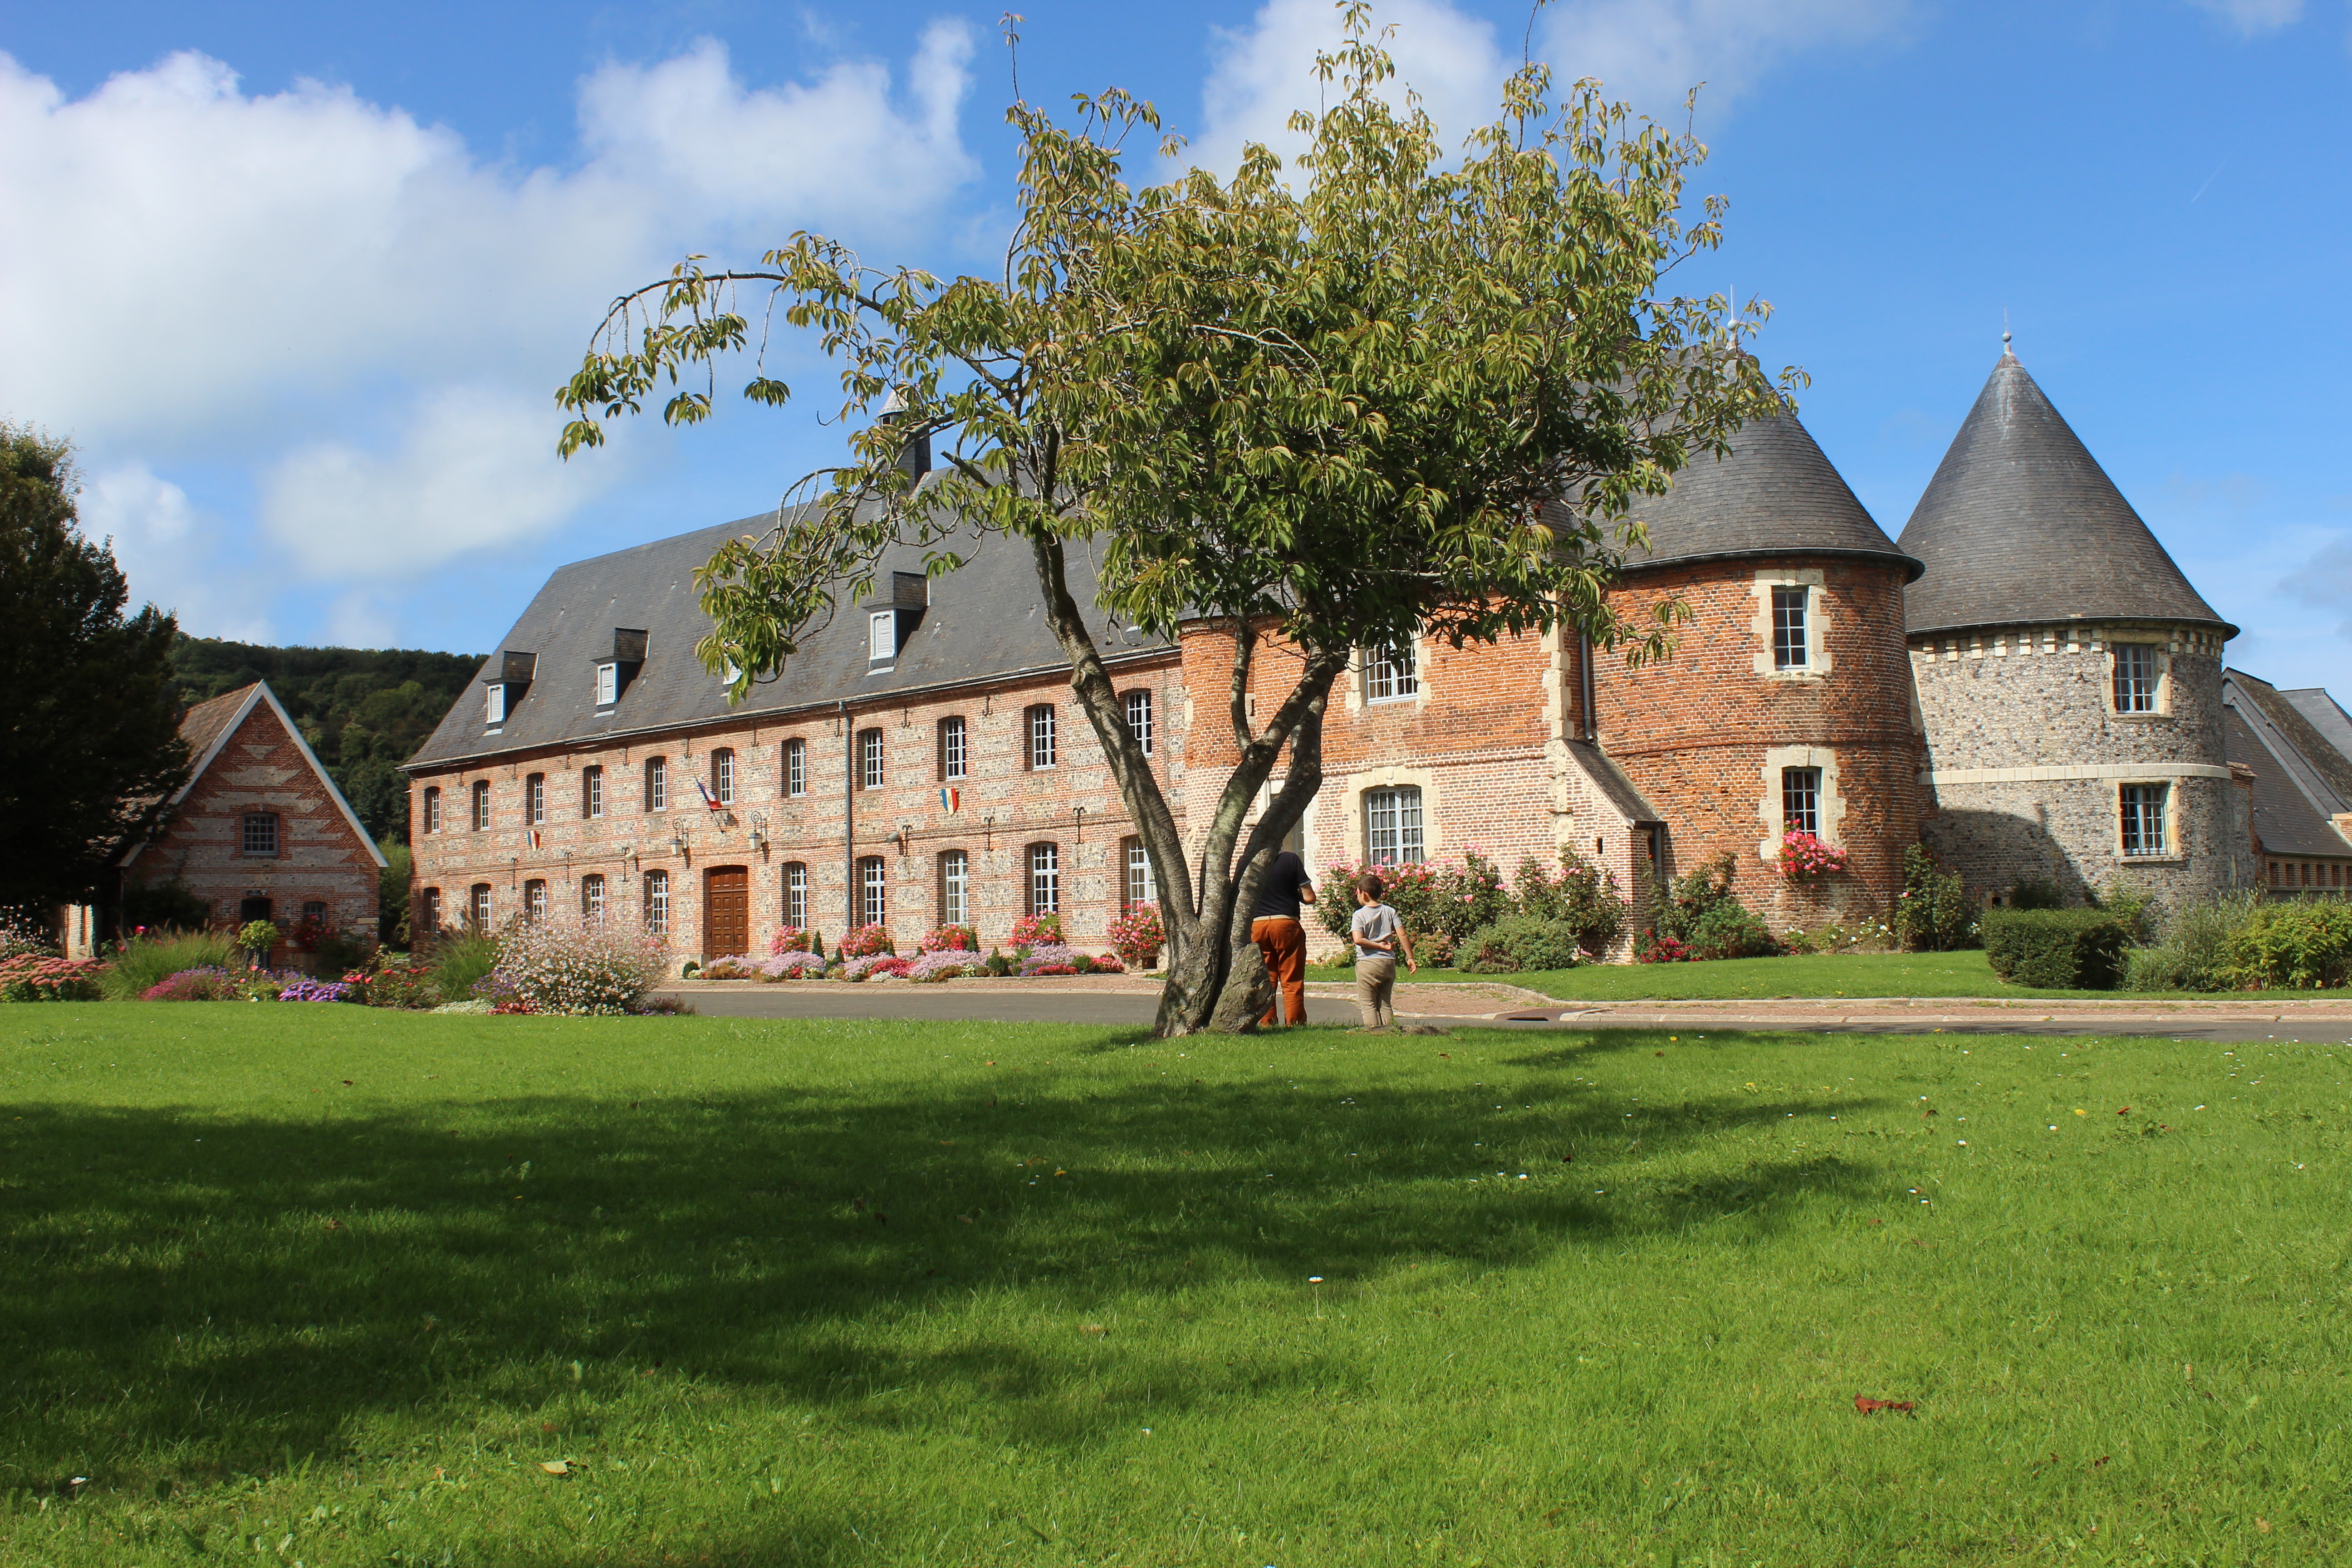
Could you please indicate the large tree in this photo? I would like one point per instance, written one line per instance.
(89, 742)
(1400, 396)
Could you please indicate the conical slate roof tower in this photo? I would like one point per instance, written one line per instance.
(2022, 525)
(1775, 496)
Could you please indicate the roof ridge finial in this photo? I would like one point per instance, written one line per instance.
(2005, 331)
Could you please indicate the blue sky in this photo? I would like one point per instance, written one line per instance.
(299, 280)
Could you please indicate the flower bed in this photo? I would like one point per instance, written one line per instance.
(38, 977)
(321, 991)
(1037, 931)
(208, 983)
(791, 939)
(574, 967)
(949, 939)
(867, 965)
(944, 964)
(863, 941)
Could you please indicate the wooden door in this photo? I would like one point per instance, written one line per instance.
(726, 912)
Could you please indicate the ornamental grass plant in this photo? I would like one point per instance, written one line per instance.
(146, 961)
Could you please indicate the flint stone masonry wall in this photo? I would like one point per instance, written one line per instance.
(1005, 808)
(2015, 715)
(321, 857)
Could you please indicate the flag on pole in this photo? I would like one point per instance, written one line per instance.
(951, 799)
(708, 799)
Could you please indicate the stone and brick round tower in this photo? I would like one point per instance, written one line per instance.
(2069, 677)
(1786, 703)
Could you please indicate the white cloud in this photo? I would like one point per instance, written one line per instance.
(1261, 73)
(174, 555)
(190, 269)
(1651, 53)
(2252, 17)
(475, 470)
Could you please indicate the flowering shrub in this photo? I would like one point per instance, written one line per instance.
(1652, 948)
(320, 991)
(208, 984)
(307, 935)
(1032, 931)
(1138, 935)
(569, 967)
(791, 939)
(394, 982)
(22, 936)
(949, 939)
(741, 967)
(863, 941)
(794, 965)
(34, 977)
(1805, 858)
(1433, 898)
(944, 964)
(1053, 958)
(867, 965)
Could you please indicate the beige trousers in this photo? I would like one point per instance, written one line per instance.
(1376, 989)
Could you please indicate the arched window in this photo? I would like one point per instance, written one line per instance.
(795, 894)
(656, 783)
(1044, 879)
(481, 805)
(657, 902)
(1392, 826)
(428, 914)
(591, 898)
(722, 776)
(478, 907)
(873, 891)
(432, 809)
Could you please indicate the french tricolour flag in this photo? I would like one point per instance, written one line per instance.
(708, 799)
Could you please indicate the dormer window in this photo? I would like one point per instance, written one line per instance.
(494, 704)
(608, 684)
(513, 675)
(882, 637)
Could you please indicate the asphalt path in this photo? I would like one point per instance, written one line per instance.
(1111, 1009)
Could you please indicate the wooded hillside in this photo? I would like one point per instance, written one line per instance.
(363, 710)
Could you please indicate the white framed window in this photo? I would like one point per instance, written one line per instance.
(722, 776)
(873, 891)
(656, 783)
(1138, 886)
(657, 902)
(869, 758)
(1800, 801)
(1138, 719)
(494, 704)
(2135, 677)
(1042, 748)
(882, 637)
(259, 837)
(591, 898)
(1789, 631)
(428, 916)
(479, 906)
(954, 753)
(795, 893)
(2143, 809)
(608, 685)
(481, 805)
(534, 901)
(592, 792)
(1044, 879)
(432, 809)
(1392, 674)
(1393, 833)
(955, 888)
(796, 767)
(534, 800)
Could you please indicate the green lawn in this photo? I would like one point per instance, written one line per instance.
(333, 1285)
(1964, 974)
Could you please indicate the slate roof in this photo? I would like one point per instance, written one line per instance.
(983, 622)
(2300, 781)
(1776, 495)
(2020, 525)
(2323, 714)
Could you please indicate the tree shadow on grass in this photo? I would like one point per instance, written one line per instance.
(238, 1292)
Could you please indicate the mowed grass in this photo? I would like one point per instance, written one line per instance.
(335, 1286)
(1825, 975)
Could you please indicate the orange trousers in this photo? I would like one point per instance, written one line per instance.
(1282, 943)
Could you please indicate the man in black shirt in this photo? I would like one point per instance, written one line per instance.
(1281, 938)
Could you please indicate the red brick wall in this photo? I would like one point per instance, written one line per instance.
(1005, 807)
(1693, 733)
(321, 857)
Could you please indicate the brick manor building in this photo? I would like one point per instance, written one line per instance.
(2026, 679)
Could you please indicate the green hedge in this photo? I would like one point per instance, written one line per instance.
(2075, 950)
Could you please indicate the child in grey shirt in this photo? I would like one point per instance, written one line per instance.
(1379, 935)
